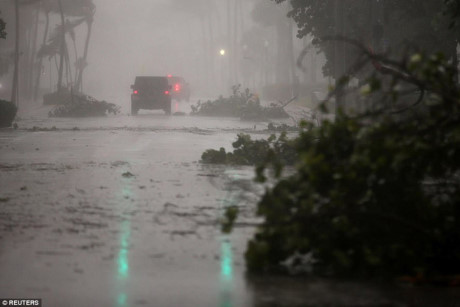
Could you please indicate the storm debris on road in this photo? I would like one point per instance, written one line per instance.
(282, 127)
(35, 128)
(128, 175)
(253, 152)
(83, 106)
(244, 105)
(7, 113)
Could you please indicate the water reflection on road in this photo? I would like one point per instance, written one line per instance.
(70, 233)
(226, 254)
(226, 272)
(122, 262)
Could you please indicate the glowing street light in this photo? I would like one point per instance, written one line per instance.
(222, 52)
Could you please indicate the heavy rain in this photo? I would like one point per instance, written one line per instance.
(231, 153)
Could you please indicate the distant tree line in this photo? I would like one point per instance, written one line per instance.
(34, 18)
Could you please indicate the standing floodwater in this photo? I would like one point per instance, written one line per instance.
(119, 211)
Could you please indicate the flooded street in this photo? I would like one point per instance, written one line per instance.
(347, 112)
(118, 211)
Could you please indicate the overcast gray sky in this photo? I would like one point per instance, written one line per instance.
(129, 38)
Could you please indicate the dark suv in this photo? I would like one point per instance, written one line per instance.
(180, 89)
(151, 93)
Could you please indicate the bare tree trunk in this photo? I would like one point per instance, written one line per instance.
(313, 66)
(291, 58)
(338, 50)
(62, 48)
(32, 67)
(205, 52)
(76, 59)
(241, 13)
(35, 69)
(220, 29)
(210, 51)
(229, 68)
(15, 92)
(235, 42)
(24, 70)
(79, 83)
(68, 69)
(282, 64)
(40, 62)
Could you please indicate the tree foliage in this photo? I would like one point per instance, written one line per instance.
(72, 8)
(412, 24)
(55, 40)
(376, 195)
(81, 10)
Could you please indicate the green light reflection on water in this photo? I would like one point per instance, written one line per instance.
(226, 273)
(121, 299)
(123, 252)
(226, 267)
(226, 255)
(127, 193)
(123, 262)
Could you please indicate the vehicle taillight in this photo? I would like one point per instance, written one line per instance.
(166, 92)
(177, 87)
(135, 92)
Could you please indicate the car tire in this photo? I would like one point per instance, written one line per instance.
(134, 109)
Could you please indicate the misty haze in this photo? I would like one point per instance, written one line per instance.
(229, 153)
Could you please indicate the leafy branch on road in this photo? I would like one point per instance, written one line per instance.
(83, 106)
(244, 105)
(276, 150)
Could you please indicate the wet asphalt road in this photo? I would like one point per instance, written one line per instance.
(118, 211)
